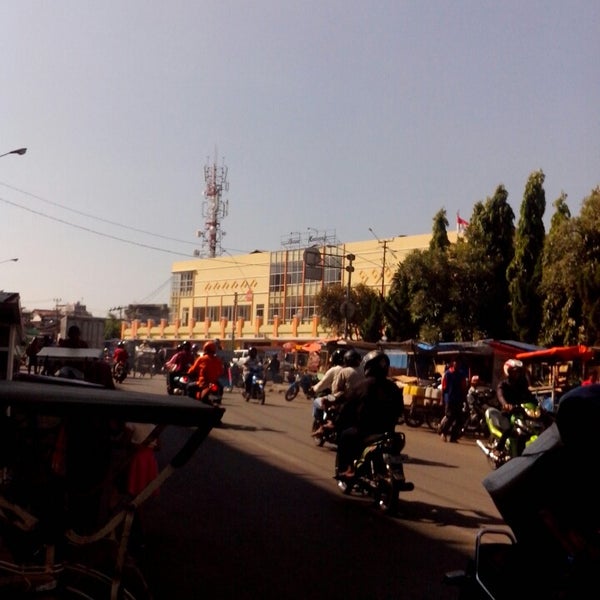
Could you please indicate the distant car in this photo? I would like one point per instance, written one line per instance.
(239, 357)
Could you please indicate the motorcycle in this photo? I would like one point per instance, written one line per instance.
(304, 383)
(548, 500)
(379, 472)
(525, 423)
(474, 420)
(178, 383)
(120, 371)
(214, 395)
(257, 388)
(326, 427)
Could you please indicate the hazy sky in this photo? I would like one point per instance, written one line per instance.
(337, 115)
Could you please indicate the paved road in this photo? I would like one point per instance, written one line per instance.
(256, 514)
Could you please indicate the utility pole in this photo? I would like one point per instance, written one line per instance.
(348, 306)
(56, 301)
(384, 243)
(233, 320)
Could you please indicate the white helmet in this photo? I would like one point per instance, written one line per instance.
(511, 365)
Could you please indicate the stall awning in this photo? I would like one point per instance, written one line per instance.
(558, 354)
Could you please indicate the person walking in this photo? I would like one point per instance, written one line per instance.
(454, 391)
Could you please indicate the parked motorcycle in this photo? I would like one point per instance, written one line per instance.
(257, 388)
(525, 423)
(301, 382)
(379, 472)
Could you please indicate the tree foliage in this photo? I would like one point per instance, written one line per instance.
(496, 281)
(525, 271)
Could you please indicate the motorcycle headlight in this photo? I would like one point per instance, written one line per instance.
(533, 412)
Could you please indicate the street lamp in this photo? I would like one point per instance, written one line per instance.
(20, 151)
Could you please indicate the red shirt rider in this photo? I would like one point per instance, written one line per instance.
(207, 368)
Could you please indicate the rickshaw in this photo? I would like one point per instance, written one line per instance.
(65, 524)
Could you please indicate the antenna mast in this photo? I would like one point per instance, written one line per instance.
(214, 208)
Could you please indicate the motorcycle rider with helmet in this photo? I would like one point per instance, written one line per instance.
(344, 381)
(251, 366)
(121, 356)
(373, 407)
(179, 363)
(206, 370)
(513, 391)
(336, 360)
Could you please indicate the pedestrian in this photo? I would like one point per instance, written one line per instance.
(32, 355)
(454, 393)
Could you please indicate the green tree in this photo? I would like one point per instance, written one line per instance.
(399, 325)
(439, 233)
(525, 271)
(588, 266)
(329, 301)
(112, 327)
(489, 251)
(561, 307)
(368, 318)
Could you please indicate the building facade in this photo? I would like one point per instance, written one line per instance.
(268, 297)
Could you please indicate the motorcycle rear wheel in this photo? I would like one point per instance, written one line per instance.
(292, 392)
(414, 418)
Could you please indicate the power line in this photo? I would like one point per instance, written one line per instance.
(90, 216)
(89, 230)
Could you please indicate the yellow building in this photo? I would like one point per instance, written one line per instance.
(268, 297)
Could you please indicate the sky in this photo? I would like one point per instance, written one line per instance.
(359, 118)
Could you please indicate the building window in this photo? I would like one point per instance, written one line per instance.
(200, 314)
(185, 317)
(260, 310)
(183, 283)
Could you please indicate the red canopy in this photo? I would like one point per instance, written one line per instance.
(558, 353)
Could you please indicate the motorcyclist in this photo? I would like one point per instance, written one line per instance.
(336, 360)
(373, 407)
(512, 392)
(120, 355)
(179, 363)
(206, 370)
(251, 366)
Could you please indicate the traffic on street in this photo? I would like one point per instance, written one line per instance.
(256, 513)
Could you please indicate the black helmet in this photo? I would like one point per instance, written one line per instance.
(376, 364)
(121, 344)
(186, 346)
(252, 352)
(351, 358)
(337, 357)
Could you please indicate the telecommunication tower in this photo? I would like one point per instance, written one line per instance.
(214, 208)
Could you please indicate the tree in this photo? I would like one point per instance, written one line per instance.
(489, 251)
(525, 271)
(369, 313)
(329, 301)
(587, 269)
(112, 327)
(439, 233)
(561, 307)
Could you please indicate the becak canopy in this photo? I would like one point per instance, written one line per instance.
(558, 353)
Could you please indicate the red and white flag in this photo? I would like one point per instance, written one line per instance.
(461, 224)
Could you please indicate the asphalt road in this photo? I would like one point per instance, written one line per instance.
(256, 514)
